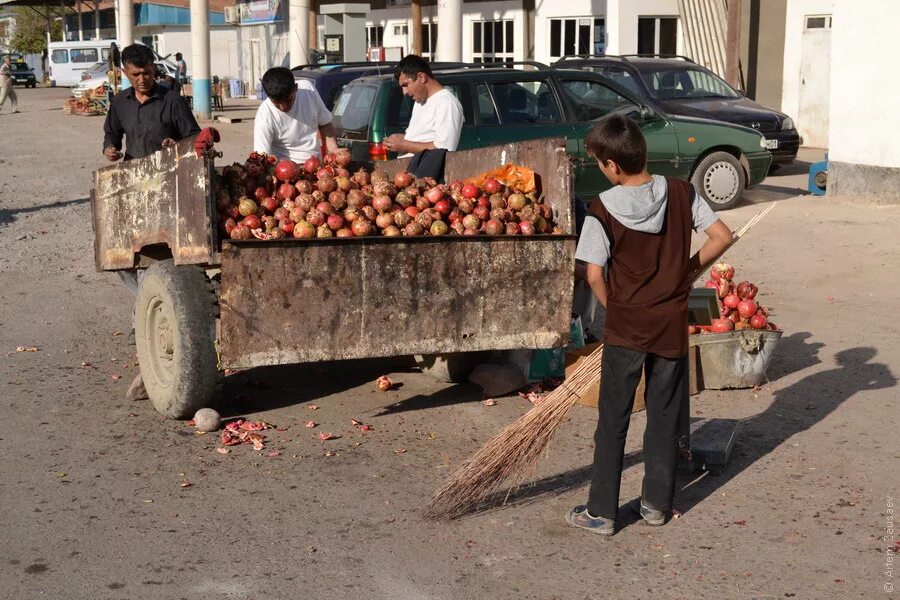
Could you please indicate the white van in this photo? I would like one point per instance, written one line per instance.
(68, 60)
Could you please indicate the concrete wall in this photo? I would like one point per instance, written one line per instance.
(864, 156)
(762, 50)
(544, 11)
(793, 45)
(222, 40)
(622, 22)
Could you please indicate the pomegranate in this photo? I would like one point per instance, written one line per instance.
(402, 219)
(315, 217)
(471, 222)
(297, 215)
(424, 219)
(304, 229)
(361, 228)
(269, 204)
(344, 232)
(413, 229)
(369, 212)
(470, 190)
(439, 228)
(281, 213)
(334, 221)
(342, 157)
(454, 216)
(403, 199)
(512, 229)
(338, 200)
(734, 317)
(326, 171)
(384, 383)
(722, 271)
(252, 221)
(378, 175)
(458, 228)
(482, 212)
(325, 208)
(361, 178)
(343, 184)
(287, 225)
(466, 205)
(747, 308)
(483, 201)
(271, 159)
(762, 310)
(491, 186)
(246, 207)
(229, 225)
(724, 288)
(278, 233)
(326, 184)
(285, 170)
(241, 232)
(412, 211)
(323, 231)
(712, 283)
(391, 231)
(498, 214)
(351, 213)
(233, 212)
(384, 220)
(304, 186)
(311, 165)
(526, 228)
(494, 227)
(403, 179)
(434, 195)
(422, 203)
(382, 203)
(260, 193)
(758, 322)
(269, 223)
(356, 198)
(731, 301)
(306, 201)
(286, 191)
(470, 231)
(384, 188)
(442, 206)
(721, 326)
(497, 201)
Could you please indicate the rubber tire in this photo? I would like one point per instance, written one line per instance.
(451, 368)
(185, 306)
(708, 163)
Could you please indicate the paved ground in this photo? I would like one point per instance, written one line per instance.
(93, 505)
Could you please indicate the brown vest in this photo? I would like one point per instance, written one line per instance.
(647, 272)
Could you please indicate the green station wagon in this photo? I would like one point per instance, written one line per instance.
(503, 105)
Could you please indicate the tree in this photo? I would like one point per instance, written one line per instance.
(31, 29)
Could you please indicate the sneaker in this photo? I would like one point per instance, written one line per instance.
(579, 517)
(651, 516)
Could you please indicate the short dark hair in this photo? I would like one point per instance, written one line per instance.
(619, 139)
(137, 55)
(278, 83)
(411, 65)
(178, 56)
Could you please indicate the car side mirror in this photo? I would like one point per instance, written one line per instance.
(647, 113)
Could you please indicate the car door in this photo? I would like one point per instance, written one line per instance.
(525, 108)
(589, 99)
(400, 107)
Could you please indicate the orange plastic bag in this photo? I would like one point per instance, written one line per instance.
(521, 178)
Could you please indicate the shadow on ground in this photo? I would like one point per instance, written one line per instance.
(8, 215)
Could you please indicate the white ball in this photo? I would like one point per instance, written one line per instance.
(207, 419)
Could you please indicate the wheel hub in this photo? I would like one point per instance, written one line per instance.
(160, 337)
(720, 182)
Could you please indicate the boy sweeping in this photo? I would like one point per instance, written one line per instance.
(639, 233)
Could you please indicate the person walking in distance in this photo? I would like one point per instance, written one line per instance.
(182, 68)
(6, 86)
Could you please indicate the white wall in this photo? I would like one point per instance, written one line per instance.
(793, 44)
(546, 10)
(864, 103)
(622, 22)
(172, 39)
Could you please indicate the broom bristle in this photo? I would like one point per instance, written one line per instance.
(515, 448)
(521, 443)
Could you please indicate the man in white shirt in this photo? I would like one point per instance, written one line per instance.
(289, 122)
(437, 115)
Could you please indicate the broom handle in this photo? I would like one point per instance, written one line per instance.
(736, 235)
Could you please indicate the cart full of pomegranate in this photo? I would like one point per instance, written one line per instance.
(738, 305)
(268, 199)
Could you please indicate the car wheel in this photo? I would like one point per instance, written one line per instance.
(720, 179)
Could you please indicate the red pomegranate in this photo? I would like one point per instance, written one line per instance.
(494, 227)
(722, 270)
(403, 179)
(326, 184)
(311, 165)
(392, 231)
(285, 170)
(470, 190)
(287, 225)
(731, 301)
(526, 228)
(442, 206)
(482, 212)
(335, 221)
(382, 203)
(747, 308)
(338, 200)
(260, 193)
(315, 217)
(384, 220)
(241, 232)
(344, 232)
(721, 325)
(402, 219)
(512, 229)
(434, 195)
(491, 186)
(471, 222)
(304, 229)
(252, 221)
(758, 322)
(361, 228)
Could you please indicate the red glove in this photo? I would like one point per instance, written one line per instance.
(205, 140)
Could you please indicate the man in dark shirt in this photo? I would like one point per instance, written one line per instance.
(148, 115)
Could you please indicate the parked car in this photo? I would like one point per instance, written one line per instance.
(678, 86)
(502, 105)
(98, 74)
(330, 79)
(22, 74)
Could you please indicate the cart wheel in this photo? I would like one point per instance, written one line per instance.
(175, 334)
(451, 368)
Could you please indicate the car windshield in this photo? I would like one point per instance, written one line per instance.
(673, 84)
(354, 106)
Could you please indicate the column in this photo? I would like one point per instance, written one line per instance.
(126, 23)
(298, 32)
(97, 20)
(200, 53)
(449, 14)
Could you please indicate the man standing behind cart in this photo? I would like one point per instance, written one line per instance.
(291, 119)
(437, 115)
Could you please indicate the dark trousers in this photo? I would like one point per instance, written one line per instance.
(666, 387)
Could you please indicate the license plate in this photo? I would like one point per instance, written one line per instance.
(772, 144)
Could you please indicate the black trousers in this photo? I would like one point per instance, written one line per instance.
(666, 388)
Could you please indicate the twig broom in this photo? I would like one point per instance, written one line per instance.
(520, 444)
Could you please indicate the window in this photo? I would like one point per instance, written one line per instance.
(583, 35)
(59, 57)
(354, 106)
(401, 29)
(621, 76)
(493, 41)
(591, 100)
(668, 84)
(374, 36)
(104, 54)
(429, 39)
(84, 55)
(818, 22)
(657, 35)
(487, 112)
(525, 102)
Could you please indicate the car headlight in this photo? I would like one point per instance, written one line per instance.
(788, 123)
(762, 142)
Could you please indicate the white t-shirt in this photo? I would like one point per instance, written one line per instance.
(293, 134)
(438, 120)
